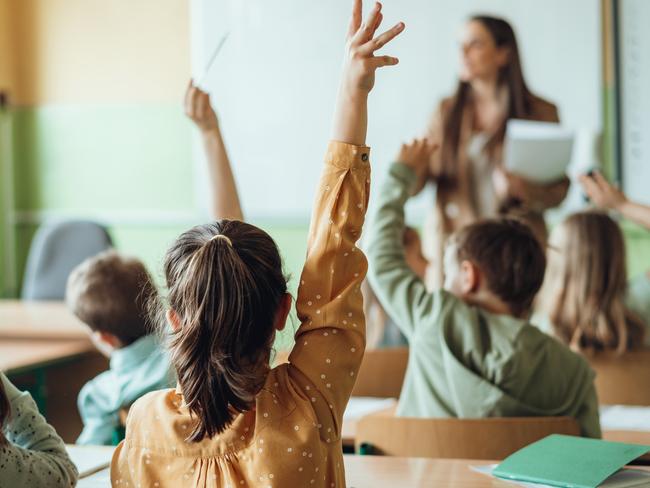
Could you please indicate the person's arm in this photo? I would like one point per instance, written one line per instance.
(400, 290)
(34, 455)
(330, 341)
(588, 416)
(98, 412)
(225, 200)
(605, 195)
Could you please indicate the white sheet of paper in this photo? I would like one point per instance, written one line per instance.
(624, 417)
(537, 151)
(90, 459)
(360, 406)
(625, 478)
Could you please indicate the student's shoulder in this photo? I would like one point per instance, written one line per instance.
(554, 351)
(156, 401)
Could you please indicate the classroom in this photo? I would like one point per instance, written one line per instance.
(292, 243)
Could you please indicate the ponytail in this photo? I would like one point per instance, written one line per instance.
(225, 284)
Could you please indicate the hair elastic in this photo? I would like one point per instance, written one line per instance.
(221, 236)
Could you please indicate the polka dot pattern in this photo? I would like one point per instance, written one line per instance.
(291, 437)
(33, 455)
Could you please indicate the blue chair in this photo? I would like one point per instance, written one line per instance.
(57, 248)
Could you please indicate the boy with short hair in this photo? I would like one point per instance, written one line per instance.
(472, 351)
(109, 293)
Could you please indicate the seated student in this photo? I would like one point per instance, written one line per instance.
(232, 421)
(109, 293)
(472, 351)
(31, 453)
(586, 300)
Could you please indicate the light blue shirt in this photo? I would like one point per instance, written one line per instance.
(134, 370)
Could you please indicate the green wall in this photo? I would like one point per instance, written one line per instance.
(127, 162)
(121, 164)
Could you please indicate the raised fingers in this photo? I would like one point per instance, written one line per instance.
(355, 19)
(367, 30)
(380, 41)
(381, 61)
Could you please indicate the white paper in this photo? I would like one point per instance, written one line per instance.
(90, 459)
(537, 151)
(625, 478)
(101, 479)
(361, 406)
(623, 417)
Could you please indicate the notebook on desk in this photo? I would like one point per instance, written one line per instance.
(574, 462)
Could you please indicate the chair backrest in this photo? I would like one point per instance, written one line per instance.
(491, 438)
(56, 249)
(382, 373)
(622, 380)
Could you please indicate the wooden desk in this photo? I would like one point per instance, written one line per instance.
(22, 355)
(39, 320)
(48, 352)
(380, 472)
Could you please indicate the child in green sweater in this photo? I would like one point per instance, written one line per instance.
(473, 352)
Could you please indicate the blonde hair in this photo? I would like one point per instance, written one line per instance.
(585, 286)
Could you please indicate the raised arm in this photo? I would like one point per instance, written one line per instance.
(225, 200)
(400, 290)
(605, 195)
(331, 340)
(34, 455)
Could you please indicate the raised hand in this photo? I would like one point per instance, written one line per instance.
(360, 61)
(198, 108)
(417, 156)
(601, 192)
(358, 76)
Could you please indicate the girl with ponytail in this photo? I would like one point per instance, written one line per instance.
(233, 421)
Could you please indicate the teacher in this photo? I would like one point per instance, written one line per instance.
(469, 127)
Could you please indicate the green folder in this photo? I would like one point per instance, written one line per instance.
(567, 461)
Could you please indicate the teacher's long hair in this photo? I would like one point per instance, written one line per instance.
(511, 77)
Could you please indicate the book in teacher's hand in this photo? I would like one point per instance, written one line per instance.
(573, 462)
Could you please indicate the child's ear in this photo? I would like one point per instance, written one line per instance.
(173, 320)
(105, 342)
(283, 312)
(469, 277)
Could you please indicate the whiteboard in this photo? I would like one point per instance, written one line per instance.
(634, 52)
(275, 81)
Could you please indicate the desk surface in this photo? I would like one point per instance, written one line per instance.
(39, 320)
(18, 355)
(379, 472)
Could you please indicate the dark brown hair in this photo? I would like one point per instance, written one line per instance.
(5, 409)
(225, 291)
(586, 284)
(109, 293)
(509, 256)
(510, 77)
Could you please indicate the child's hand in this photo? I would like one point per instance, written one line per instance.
(198, 108)
(601, 192)
(417, 156)
(358, 77)
(360, 60)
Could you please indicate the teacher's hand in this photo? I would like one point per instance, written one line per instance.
(417, 156)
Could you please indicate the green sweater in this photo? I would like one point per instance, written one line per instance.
(463, 361)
